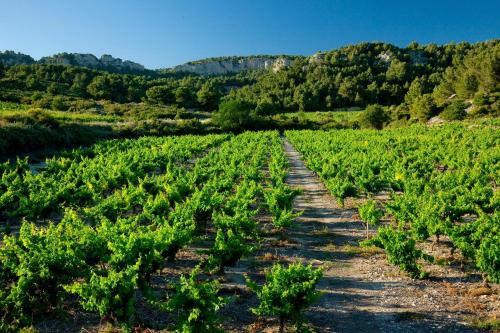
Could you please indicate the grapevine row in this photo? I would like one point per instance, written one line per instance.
(443, 182)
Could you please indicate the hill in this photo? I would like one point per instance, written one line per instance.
(106, 62)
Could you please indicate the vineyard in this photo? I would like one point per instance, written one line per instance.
(442, 183)
(205, 233)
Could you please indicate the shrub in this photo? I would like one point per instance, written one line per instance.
(36, 265)
(43, 118)
(233, 115)
(373, 117)
(488, 257)
(370, 214)
(400, 250)
(59, 103)
(454, 111)
(287, 292)
(423, 107)
(110, 294)
(197, 302)
(229, 247)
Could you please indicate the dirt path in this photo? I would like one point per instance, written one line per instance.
(361, 292)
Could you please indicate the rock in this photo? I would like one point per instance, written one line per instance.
(105, 62)
(317, 58)
(11, 58)
(218, 66)
(385, 57)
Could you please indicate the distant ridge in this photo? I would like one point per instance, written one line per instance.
(105, 62)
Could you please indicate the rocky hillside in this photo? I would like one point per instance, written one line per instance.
(105, 62)
(225, 65)
(10, 58)
(210, 66)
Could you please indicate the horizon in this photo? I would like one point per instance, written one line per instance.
(163, 35)
(98, 56)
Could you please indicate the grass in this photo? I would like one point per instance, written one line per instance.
(364, 251)
(491, 323)
(9, 106)
(323, 232)
(330, 247)
(8, 111)
(322, 117)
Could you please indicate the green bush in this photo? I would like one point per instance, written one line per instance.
(423, 107)
(60, 103)
(488, 257)
(197, 303)
(373, 117)
(233, 115)
(229, 247)
(454, 111)
(111, 293)
(43, 118)
(287, 293)
(400, 250)
(370, 214)
(36, 265)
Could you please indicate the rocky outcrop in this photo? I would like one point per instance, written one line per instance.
(11, 58)
(218, 66)
(105, 62)
(317, 58)
(385, 57)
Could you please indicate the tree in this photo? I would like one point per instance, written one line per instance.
(373, 117)
(396, 71)
(184, 96)
(233, 114)
(53, 88)
(466, 85)
(417, 88)
(454, 111)
(160, 95)
(108, 86)
(99, 87)
(80, 83)
(32, 82)
(208, 96)
(423, 107)
(265, 107)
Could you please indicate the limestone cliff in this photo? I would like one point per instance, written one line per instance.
(105, 62)
(225, 65)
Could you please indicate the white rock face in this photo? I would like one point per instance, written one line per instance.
(217, 67)
(317, 58)
(385, 56)
(91, 61)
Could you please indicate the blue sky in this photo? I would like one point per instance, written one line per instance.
(168, 32)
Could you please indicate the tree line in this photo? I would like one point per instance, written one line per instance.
(412, 83)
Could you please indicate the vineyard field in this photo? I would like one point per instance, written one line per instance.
(257, 231)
